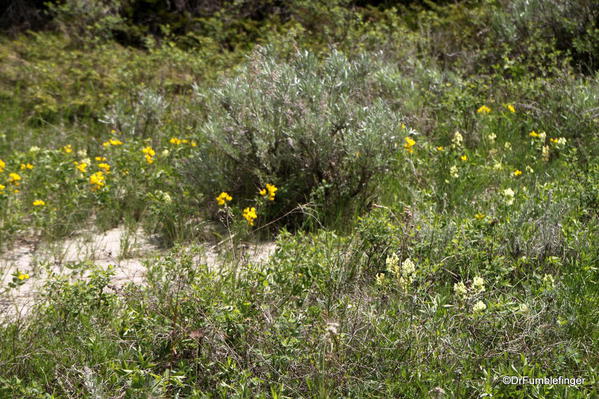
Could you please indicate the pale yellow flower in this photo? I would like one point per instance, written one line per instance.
(457, 139)
(479, 307)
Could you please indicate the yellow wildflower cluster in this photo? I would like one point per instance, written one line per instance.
(483, 109)
(269, 191)
(457, 139)
(149, 154)
(80, 166)
(453, 171)
(14, 178)
(517, 173)
(508, 195)
(67, 148)
(559, 142)
(540, 135)
(404, 272)
(250, 215)
(2, 166)
(101, 159)
(178, 141)
(409, 144)
(112, 142)
(510, 108)
(476, 287)
(464, 157)
(97, 180)
(545, 153)
(223, 198)
(105, 167)
(26, 166)
(479, 307)
(39, 203)
(23, 276)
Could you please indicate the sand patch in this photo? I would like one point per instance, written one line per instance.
(126, 251)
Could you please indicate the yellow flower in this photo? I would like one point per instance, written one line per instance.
(464, 157)
(249, 214)
(100, 159)
(26, 166)
(148, 151)
(38, 203)
(272, 189)
(104, 166)
(23, 276)
(409, 143)
(2, 166)
(483, 110)
(2, 187)
(175, 141)
(98, 180)
(113, 142)
(559, 142)
(14, 178)
(511, 108)
(479, 216)
(81, 166)
(149, 154)
(223, 198)
(193, 143)
(534, 134)
(262, 192)
(440, 148)
(67, 148)
(517, 173)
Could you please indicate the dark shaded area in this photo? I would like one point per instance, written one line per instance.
(18, 15)
(569, 27)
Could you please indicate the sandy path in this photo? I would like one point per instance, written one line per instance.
(126, 251)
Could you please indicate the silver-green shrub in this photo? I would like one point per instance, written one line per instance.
(319, 129)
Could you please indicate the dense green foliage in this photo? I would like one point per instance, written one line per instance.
(436, 207)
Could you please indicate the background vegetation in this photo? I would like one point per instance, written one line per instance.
(435, 213)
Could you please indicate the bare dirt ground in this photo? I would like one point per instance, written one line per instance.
(126, 251)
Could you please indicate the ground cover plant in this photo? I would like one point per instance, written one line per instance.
(428, 172)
